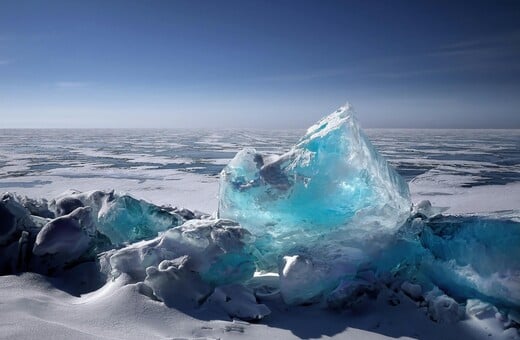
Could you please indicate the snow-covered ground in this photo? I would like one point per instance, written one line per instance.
(32, 308)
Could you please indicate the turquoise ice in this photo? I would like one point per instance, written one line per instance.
(332, 185)
(125, 219)
(120, 217)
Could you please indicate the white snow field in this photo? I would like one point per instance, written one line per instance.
(32, 308)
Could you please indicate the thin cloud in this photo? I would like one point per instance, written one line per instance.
(323, 73)
(476, 51)
(505, 44)
(410, 73)
(497, 53)
(5, 62)
(469, 67)
(509, 38)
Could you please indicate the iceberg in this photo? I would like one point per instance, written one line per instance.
(331, 190)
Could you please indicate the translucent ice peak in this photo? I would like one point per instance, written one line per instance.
(332, 187)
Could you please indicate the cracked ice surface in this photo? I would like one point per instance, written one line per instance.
(332, 185)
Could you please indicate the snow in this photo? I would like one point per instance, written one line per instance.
(33, 308)
(479, 200)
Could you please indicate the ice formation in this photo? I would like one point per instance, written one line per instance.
(44, 245)
(120, 217)
(219, 251)
(331, 210)
(203, 262)
(199, 262)
(303, 279)
(467, 257)
(330, 217)
(332, 190)
(67, 235)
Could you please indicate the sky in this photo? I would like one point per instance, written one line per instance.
(258, 64)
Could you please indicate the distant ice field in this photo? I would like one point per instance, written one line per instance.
(469, 171)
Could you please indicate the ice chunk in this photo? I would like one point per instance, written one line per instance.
(176, 284)
(13, 218)
(125, 218)
(412, 290)
(480, 309)
(66, 205)
(64, 235)
(17, 233)
(218, 250)
(444, 309)
(300, 280)
(424, 209)
(306, 280)
(37, 207)
(467, 257)
(472, 257)
(332, 187)
(121, 218)
(39, 244)
(349, 293)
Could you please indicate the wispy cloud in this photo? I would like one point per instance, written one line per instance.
(505, 44)
(507, 38)
(360, 68)
(5, 62)
(72, 84)
(323, 73)
(496, 53)
(410, 73)
(487, 54)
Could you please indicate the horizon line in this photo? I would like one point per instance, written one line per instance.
(250, 128)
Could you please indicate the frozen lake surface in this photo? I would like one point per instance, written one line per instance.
(455, 168)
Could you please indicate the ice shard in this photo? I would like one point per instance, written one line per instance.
(332, 186)
(120, 217)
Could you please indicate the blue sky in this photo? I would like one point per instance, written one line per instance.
(259, 64)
